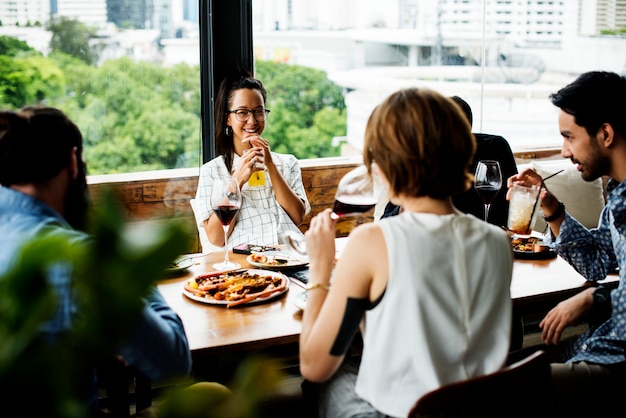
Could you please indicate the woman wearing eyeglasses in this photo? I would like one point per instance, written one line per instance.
(274, 199)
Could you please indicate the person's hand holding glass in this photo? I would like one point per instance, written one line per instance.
(355, 194)
(257, 178)
(226, 201)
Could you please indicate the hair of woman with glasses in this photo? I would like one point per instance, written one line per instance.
(273, 195)
(431, 286)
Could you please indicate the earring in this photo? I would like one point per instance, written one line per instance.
(228, 131)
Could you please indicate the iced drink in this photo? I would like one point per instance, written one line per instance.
(522, 209)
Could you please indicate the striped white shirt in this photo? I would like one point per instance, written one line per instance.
(261, 219)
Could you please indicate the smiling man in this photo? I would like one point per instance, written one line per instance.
(591, 370)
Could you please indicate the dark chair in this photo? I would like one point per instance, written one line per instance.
(122, 387)
(521, 389)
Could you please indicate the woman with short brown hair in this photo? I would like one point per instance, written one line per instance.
(430, 285)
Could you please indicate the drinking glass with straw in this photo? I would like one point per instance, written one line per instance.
(523, 207)
(541, 186)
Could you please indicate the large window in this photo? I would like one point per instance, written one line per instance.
(126, 71)
(504, 68)
(139, 77)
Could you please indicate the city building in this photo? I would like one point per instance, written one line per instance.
(24, 12)
(90, 12)
(372, 49)
(129, 14)
(610, 15)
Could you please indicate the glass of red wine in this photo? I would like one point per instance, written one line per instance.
(355, 194)
(487, 182)
(225, 202)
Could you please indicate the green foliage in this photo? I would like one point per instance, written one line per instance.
(255, 378)
(138, 116)
(77, 84)
(301, 99)
(29, 80)
(11, 47)
(620, 31)
(26, 301)
(73, 37)
(135, 116)
(112, 273)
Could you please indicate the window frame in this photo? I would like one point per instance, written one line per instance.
(225, 45)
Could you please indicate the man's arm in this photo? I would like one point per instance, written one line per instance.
(592, 304)
(567, 313)
(158, 347)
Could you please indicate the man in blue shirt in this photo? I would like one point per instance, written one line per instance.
(592, 121)
(43, 193)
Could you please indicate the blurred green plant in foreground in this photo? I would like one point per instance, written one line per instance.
(254, 379)
(113, 271)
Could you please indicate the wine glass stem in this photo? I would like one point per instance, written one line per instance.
(226, 260)
(487, 212)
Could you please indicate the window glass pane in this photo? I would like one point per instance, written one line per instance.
(503, 57)
(127, 72)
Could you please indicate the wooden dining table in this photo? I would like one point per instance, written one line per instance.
(215, 329)
(537, 285)
(220, 337)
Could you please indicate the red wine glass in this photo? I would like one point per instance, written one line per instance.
(487, 182)
(225, 202)
(355, 195)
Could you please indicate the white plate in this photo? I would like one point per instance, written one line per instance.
(211, 301)
(180, 265)
(290, 260)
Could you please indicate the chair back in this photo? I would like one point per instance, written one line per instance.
(522, 389)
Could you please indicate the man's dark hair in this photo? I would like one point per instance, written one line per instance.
(36, 144)
(595, 98)
(465, 107)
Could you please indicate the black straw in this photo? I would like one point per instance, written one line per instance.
(538, 193)
(551, 175)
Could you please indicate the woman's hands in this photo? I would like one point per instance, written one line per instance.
(247, 165)
(262, 147)
(258, 153)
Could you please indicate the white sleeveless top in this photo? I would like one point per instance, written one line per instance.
(446, 313)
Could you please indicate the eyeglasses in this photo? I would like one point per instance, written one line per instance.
(244, 114)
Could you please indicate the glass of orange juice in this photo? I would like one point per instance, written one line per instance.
(257, 178)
